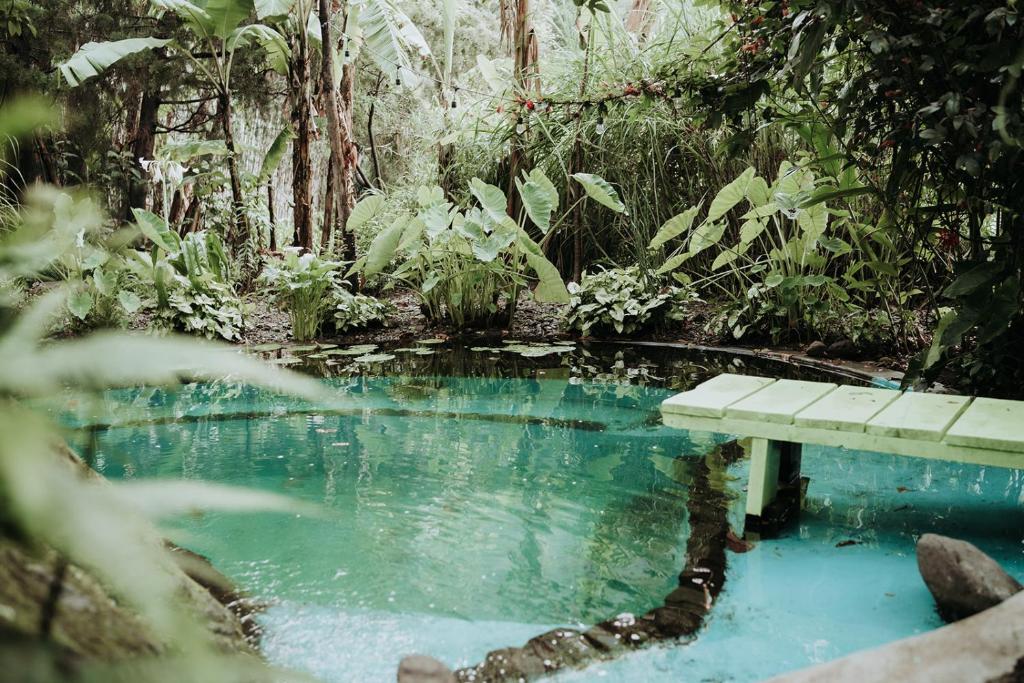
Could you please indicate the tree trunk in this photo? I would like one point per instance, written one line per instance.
(325, 232)
(339, 102)
(302, 189)
(518, 30)
(239, 232)
(271, 217)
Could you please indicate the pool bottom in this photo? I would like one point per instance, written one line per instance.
(843, 578)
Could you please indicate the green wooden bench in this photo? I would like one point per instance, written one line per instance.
(782, 415)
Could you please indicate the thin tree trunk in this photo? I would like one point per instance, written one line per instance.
(523, 40)
(339, 103)
(143, 144)
(325, 233)
(378, 177)
(302, 189)
(240, 227)
(272, 218)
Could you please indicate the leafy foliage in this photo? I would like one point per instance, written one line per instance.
(302, 284)
(625, 301)
(359, 311)
(468, 266)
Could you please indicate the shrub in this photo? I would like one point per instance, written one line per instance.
(358, 311)
(190, 280)
(303, 286)
(623, 300)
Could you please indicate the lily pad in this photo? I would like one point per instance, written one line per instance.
(287, 360)
(486, 349)
(326, 346)
(266, 348)
(302, 349)
(431, 342)
(425, 352)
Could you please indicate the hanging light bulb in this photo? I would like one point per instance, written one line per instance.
(600, 128)
(455, 94)
(520, 126)
(347, 53)
(398, 81)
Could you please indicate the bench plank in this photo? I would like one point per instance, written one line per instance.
(711, 398)
(913, 415)
(846, 409)
(779, 402)
(990, 423)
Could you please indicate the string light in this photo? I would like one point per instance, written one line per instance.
(600, 128)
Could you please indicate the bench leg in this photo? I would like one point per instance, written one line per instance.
(764, 475)
(774, 470)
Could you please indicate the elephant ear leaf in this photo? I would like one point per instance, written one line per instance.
(540, 198)
(550, 288)
(674, 227)
(154, 228)
(94, 58)
(364, 211)
(601, 191)
(384, 246)
(491, 198)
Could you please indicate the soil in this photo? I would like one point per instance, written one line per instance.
(266, 323)
(538, 322)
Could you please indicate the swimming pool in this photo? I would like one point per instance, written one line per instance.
(472, 501)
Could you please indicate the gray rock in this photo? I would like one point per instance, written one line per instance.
(423, 669)
(984, 648)
(963, 580)
(817, 349)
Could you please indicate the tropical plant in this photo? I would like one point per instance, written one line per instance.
(303, 285)
(359, 311)
(109, 530)
(217, 30)
(190, 280)
(623, 301)
(777, 272)
(469, 266)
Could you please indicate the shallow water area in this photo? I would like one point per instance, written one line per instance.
(469, 504)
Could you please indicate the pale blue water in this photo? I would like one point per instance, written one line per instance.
(550, 502)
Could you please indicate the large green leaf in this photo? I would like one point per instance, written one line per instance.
(730, 195)
(491, 198)
(273, 157)
(601, 191)
(752, 229)
(93, 58)
(540, 198)
(364, 211)
(226, 15)
(550, 288)
(674, 227)
(191, 13)
(384, 246)
(273, 9)
(449, 13)
(706, 235)
(673, 263)
(273, 43)
(80, 303)
(389, 35)
(154, 228)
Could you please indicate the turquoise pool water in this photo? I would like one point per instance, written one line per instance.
(463, 514)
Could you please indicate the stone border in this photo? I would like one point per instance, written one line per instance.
(680, 615)
(849, 369)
